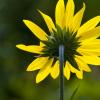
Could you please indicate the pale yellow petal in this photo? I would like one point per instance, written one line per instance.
(30, 48)
(55, 70)
(92, 23)
(82, 65)
(48, 21)
(67, 70)
(38, 32)
(44, 72)
(59, 13)
(94, 60)
(69, 13)
(92, 34)
(77, 19)
(37, 63)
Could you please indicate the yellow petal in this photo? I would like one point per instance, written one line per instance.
(82, 65)
(44, 72)
(79, 74)
(59, 13)
(67, 71)
(89, 52)
(94, 60)
(69, 13)
(77, 19)
(55, 70)
(92, 34)
(92, 23)
(37, 63)
(48, 21)
(30, 48)
(42, 44)
(91, 46)
(90, 41)
(38, 32)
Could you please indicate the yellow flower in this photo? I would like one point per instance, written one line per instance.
(81, 43)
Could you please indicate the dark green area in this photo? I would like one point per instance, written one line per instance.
(15, 82)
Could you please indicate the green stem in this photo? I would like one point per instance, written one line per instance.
(61, 59)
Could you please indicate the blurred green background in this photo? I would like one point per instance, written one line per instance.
(15, 82)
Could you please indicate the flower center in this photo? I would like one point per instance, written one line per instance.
(61, 37)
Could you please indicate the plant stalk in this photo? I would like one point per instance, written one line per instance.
(61, 60)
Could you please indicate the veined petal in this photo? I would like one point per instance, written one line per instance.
(67, 70)
(94, 60)
(37, 63)
(92, 34)
(77, 19)
(48, 21)
(38, 32)
(69, 13)
(55, 70)
(92, 23)
(44, 72)
(30, 48)
(59, 13)
(82, 65)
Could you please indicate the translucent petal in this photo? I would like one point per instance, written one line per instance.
(38, 32)
(82, 65)
(48, 21)
(92, 23)
(79, 74)
(92, 34)
(94, 60)
(37, 63)
(89, 52)
(69, 13)
(77, 19)
(30, 48)
(44, 72)
(59, 13)
(55, 70)
(67, 71)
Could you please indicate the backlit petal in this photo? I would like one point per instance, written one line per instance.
(69, 13)
(82, 65)
(37, 63)
(38, 32)
(79, 74)
(48, 21)
(92, 34)
(67, 71)
(55, 70)
(44, 72)
(59, 13)
(92, 23)
(94, 60)
(30, 48)
(77, 19)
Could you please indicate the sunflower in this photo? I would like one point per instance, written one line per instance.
(81, 43)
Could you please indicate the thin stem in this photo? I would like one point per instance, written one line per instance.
(61, 59)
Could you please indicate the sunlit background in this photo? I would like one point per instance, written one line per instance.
(15, 82)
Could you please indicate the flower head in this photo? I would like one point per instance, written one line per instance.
(81, 43)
